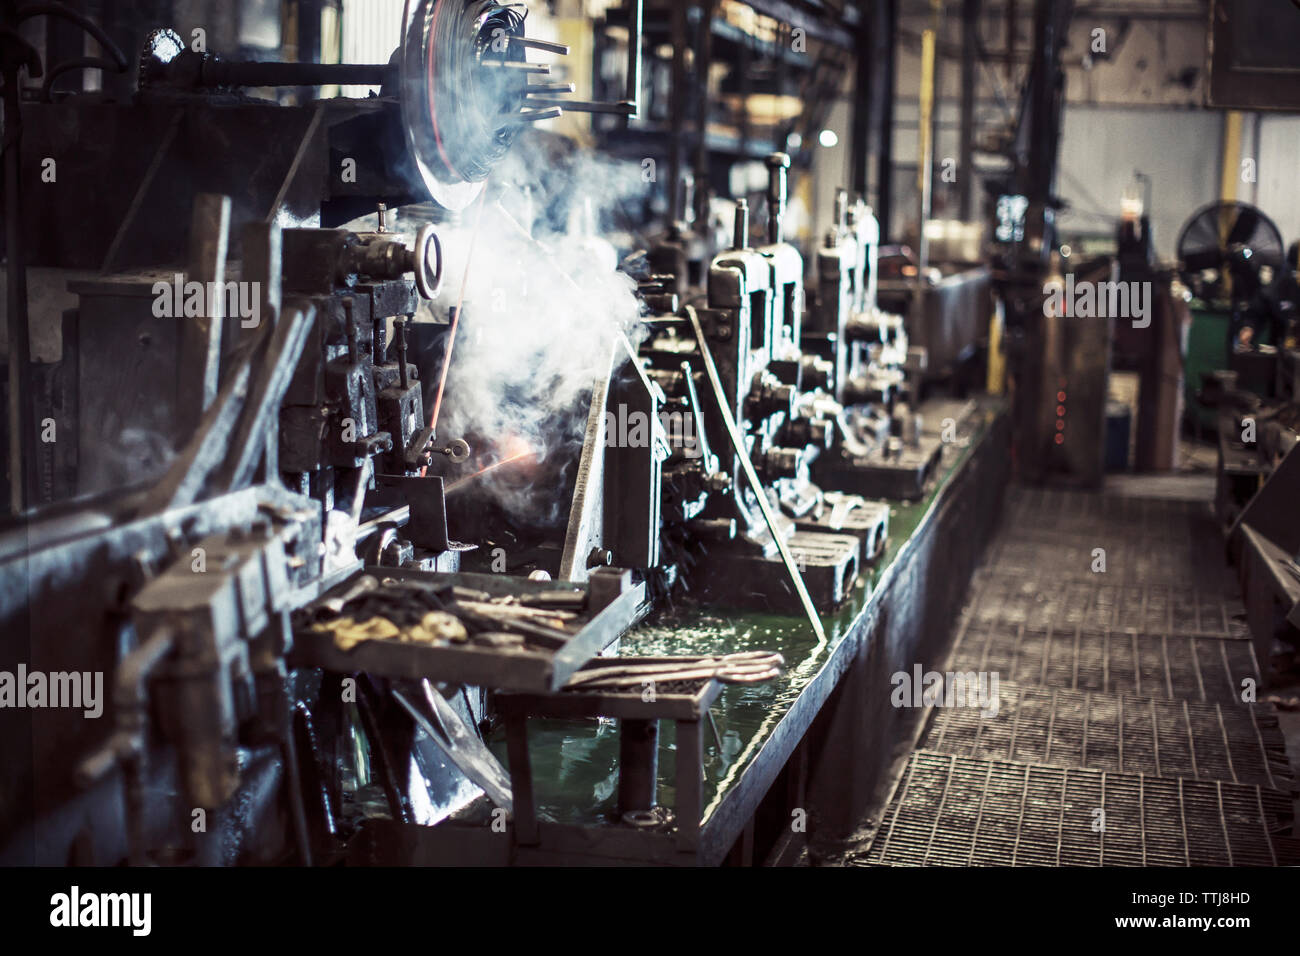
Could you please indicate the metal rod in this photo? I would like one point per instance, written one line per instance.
(307, 141)
(531, 116)
(584, 106)
(248, 73)
(886, 12)
(703, 60)
(677, 112)
(522, 67)
(544, 88)
(547, 46)
(635, 28)
(747, 466)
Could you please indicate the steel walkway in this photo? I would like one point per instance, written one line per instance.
(1125, 731)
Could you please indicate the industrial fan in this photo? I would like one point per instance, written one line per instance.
(1229, 251)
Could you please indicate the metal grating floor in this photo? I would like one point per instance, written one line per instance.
(1050, 535)
(1038, 599)
(957, 811)
(1109, 662)
(1125, 734)
(1121, 736)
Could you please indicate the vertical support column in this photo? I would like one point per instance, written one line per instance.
(864, 99)
(521, 780)
(1230, 174)
(677, 111)
(925, 145)
(777, 166)
(309, 31)
(885, 13)
(21, 415)
(703, 58)
(970, 12)
(690, 783)
(635, 28)
(1010, 66)
(638, 765)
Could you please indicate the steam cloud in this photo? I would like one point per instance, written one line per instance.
(543, 307)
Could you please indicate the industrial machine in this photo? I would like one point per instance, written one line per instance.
(397, 459)
(270, 363)
(881, 447)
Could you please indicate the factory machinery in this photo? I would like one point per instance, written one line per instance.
(299, 604)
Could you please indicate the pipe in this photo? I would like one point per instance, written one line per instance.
(703, 59)
(970, 13)
(76, 63)
(635, 28)
(886, 14)
(242, 73)
(864, 93)
(677, 112)
(64, 12)
(925, 145)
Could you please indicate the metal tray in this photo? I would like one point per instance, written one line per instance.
(614, 603)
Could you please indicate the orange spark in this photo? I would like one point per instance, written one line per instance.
(482, 471)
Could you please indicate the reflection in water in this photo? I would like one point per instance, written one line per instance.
(575, 762)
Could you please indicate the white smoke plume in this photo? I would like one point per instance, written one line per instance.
(543, 310)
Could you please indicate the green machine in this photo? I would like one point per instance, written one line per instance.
(1207, 351)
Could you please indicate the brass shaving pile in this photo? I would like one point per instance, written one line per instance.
(436, 627)
(417, 614)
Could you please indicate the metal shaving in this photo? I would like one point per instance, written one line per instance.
(413, 613)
